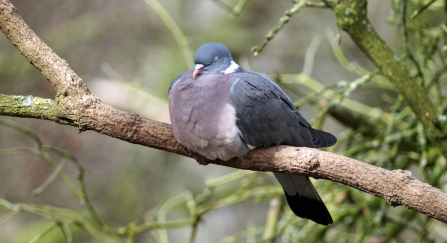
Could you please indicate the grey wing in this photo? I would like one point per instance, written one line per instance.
(266, 116)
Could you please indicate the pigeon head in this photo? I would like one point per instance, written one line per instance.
(213, 58)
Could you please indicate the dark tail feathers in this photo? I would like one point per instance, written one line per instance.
(323, 139)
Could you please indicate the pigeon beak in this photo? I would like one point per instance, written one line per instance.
(197, 70)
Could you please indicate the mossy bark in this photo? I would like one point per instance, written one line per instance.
(28, 106)
(352, 17)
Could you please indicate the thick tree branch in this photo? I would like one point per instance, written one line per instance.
(75, 106)
(54, 69)
(397, 187)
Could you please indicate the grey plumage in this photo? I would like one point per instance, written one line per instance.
(266, 116)
(220, 111)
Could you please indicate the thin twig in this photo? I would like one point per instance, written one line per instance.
(174, 28)
(272, 219)
(38, 237)
(310, 55)
(49, 179)
(284, 20)
(82, 188)
(408, 52)
(421, 9)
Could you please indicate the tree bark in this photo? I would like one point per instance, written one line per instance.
(74, 105)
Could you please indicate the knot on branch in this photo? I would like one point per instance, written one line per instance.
(309, 158)
(89, 100)
(399, 179)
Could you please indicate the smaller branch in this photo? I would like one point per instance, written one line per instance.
(321, 91)
(58, 215)
(283, 225)
(356, 121)
(66, 232)
(272, 219)
(310, 55)
(284, 20)
(223, 5)
(192, 208)
(47, 158)
(30, 107)
(407, 42)
(237, 8)
(341, 58)
(421, 9)
(49, 179)
(194, 228)
(174, 28)
(38, 237)
(443, 26)
(165, 225)
(85, 200)
(352, 18)
(21, 129)
(243, 235)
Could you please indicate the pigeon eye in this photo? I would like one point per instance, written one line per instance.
(216, 58)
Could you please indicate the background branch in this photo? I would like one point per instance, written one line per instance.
(352, 18)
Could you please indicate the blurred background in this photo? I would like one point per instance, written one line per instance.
(128, 56)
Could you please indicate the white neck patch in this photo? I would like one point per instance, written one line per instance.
(233, 67)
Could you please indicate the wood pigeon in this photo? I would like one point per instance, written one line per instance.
(221, 111)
